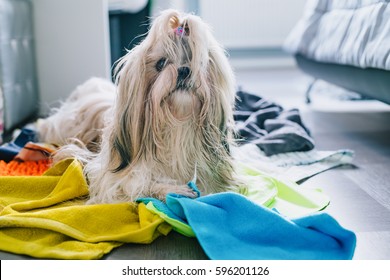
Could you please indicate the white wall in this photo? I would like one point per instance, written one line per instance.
(72, 45)
(253, 30)
(187, 6)
(251, 23)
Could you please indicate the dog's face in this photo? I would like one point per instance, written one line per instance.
(175, 89)
(178, 76)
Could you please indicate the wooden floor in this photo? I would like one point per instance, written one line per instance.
(360, 193)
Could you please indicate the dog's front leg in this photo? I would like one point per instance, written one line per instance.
(160, 190)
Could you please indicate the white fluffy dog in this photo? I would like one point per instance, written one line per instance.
(172, 117)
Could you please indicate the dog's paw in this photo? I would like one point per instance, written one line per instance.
(184, 190)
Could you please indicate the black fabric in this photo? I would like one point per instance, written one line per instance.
(269, 126)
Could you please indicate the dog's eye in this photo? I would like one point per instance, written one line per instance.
(161, 64)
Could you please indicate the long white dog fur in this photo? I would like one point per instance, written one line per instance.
(170, 116)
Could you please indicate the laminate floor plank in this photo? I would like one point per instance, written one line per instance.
(350, 205)
(174, 246)
(373, 246)
(374, 180)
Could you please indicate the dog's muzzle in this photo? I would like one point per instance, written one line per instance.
(183, 73)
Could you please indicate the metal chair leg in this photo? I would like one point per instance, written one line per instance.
(308, 90)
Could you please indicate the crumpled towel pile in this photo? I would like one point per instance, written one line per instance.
(46, 217)
(232, 226)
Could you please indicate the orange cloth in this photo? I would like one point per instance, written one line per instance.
(26, 168)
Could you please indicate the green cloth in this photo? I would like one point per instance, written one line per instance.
(285, 197)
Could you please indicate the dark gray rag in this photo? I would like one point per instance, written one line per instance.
(273, 130)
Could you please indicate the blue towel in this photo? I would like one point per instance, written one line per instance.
(229, 226)
(9, 150)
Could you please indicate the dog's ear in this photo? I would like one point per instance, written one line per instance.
(129, 118)
(131, 130)
(209, 57)
(223, 79)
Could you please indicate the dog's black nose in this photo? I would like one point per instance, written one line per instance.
(182, 74)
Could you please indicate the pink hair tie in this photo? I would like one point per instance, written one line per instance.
(180, 31)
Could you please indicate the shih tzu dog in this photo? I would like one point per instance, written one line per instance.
(170, 117)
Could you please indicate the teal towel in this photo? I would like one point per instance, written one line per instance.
(230, 226)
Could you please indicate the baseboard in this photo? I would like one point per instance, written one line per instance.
(260, 58)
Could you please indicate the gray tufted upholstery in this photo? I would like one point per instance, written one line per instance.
(18, 81)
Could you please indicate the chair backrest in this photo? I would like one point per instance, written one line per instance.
(18, 77)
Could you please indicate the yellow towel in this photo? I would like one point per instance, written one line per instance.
(46, 217)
